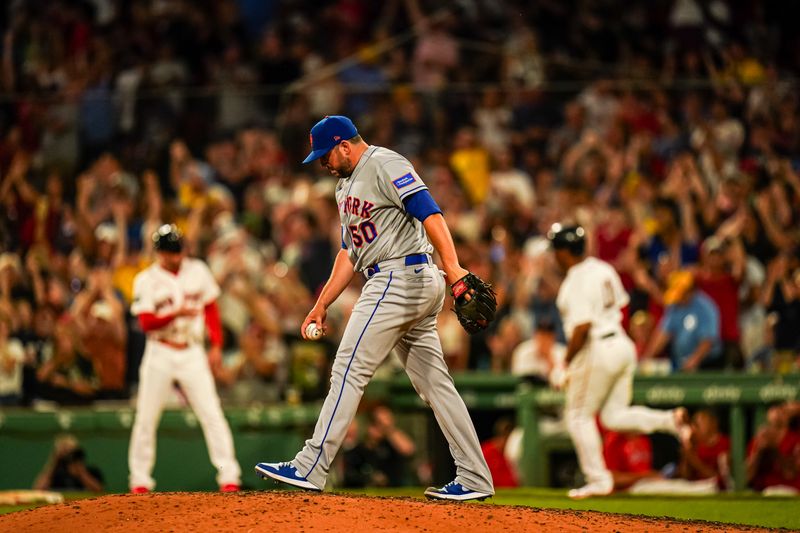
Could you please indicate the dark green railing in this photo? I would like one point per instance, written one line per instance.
(736, 392)
(26, 436)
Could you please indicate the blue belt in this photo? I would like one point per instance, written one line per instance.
(410, 260)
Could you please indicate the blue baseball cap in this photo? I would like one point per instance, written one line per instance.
(327, 133)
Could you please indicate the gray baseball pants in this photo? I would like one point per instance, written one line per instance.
(397, 308)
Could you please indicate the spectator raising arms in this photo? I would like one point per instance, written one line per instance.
(719, 277)
(99, 321)
(12, 357)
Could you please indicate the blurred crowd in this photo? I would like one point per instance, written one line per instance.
(669, 132)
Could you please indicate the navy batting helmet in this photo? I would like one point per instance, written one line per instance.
(168, 238)
(572, 238)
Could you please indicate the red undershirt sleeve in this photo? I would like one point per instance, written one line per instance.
(150, 322)
(213, 323)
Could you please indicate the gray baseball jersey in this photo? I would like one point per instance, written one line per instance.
(375, 225)
(397, 309)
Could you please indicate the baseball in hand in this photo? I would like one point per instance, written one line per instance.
(312, 332)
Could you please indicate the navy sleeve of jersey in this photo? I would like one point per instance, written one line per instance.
(421, 205)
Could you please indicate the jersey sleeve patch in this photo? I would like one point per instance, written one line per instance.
(404, 181)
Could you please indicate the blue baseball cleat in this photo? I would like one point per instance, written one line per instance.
(285, 472)
(455, 491)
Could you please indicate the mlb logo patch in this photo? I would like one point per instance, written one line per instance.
(404, 181)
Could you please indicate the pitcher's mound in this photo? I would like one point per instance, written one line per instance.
(277, 512)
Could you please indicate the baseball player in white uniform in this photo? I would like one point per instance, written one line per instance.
(600, 360)
(387, 217)
(175, 299)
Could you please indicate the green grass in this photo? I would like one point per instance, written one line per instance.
(5, 509)
(740, 508)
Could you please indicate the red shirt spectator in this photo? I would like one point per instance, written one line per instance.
(627, 452)
(773, 470)
(722, 266)
(638, 115)
(709, 454)
(613, 237)
(724, 290)
(629, 457)
(773, 455)
(503, 473)
(612, 241)
(702, 453)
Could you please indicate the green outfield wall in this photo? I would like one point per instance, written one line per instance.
(278, 432)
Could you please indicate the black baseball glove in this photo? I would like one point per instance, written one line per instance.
(475, 303)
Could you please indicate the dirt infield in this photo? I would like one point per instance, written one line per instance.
(276, 512)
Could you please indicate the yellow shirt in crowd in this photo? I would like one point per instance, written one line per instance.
(471, 166)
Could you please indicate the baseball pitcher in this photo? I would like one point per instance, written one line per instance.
(387, 218)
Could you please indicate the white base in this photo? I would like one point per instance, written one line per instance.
(587, 491)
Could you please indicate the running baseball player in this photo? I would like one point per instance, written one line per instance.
(600, 360)
(173, 299)
(387, 217)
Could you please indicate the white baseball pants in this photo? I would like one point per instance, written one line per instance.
(601, 380)
(161, 365)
